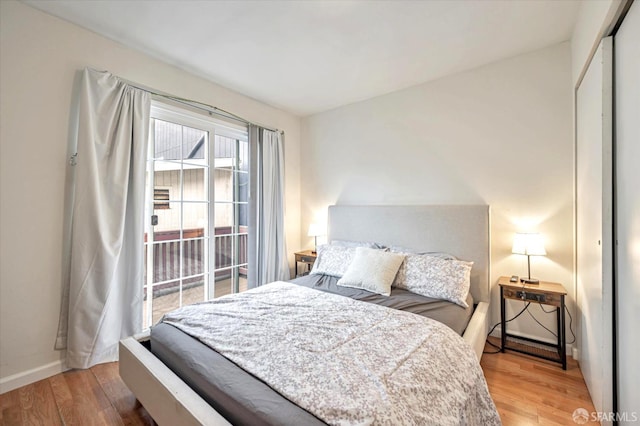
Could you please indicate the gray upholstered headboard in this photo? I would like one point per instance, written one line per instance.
(462, 230)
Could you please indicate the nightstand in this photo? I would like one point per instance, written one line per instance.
(307, 259)
(544, 293)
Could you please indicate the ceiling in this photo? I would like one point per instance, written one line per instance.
(310, 56)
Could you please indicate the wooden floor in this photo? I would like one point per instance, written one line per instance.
(532, 391)
(79, 397)
(527, 391)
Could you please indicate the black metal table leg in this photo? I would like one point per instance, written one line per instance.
(503, 324)
(562, 338)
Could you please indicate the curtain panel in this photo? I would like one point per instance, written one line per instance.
(107, 227)
(268, 250)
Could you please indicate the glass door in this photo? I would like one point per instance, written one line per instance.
(196, 221)
(231, 171)
(177, 218)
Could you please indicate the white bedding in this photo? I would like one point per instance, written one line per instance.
(345, 361)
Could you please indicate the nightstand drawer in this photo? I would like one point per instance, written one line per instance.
(307, 259)
(532, 296)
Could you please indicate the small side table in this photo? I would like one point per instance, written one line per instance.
(307, 258)
(544, 293)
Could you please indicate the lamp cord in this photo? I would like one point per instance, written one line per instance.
(497, 324)
(526, 308)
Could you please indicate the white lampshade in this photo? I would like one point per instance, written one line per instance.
(529, 244)
(315, 230)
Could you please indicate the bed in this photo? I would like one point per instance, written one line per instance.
(460, 230)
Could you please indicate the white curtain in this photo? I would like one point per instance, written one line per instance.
(274, 248)
(107, 230)
(268, 255)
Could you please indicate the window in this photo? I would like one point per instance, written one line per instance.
(161, 198)
(196, 226)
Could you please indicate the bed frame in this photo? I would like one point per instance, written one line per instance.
(461, 230)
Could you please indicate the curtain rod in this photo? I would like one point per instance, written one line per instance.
(197, 104)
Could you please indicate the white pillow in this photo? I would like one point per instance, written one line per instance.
(372, 270)
(333, 260)
(436, 278)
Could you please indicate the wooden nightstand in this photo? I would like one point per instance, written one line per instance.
(306, 258)
(545, 293)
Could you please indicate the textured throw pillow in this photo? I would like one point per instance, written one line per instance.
(348, 243)
(333, 260)
(405, 250)
(436, 278)
(372, 270)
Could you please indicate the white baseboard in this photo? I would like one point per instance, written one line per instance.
(24, 378)
(571, 351)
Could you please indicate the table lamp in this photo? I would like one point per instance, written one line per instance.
(315, 230)
(529, 245)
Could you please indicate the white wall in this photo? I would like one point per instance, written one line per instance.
(41, 58)
(500, 134)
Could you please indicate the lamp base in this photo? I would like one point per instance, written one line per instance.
(530, 280)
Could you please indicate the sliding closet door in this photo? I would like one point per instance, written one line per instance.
(627, 152)
(594, 234)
